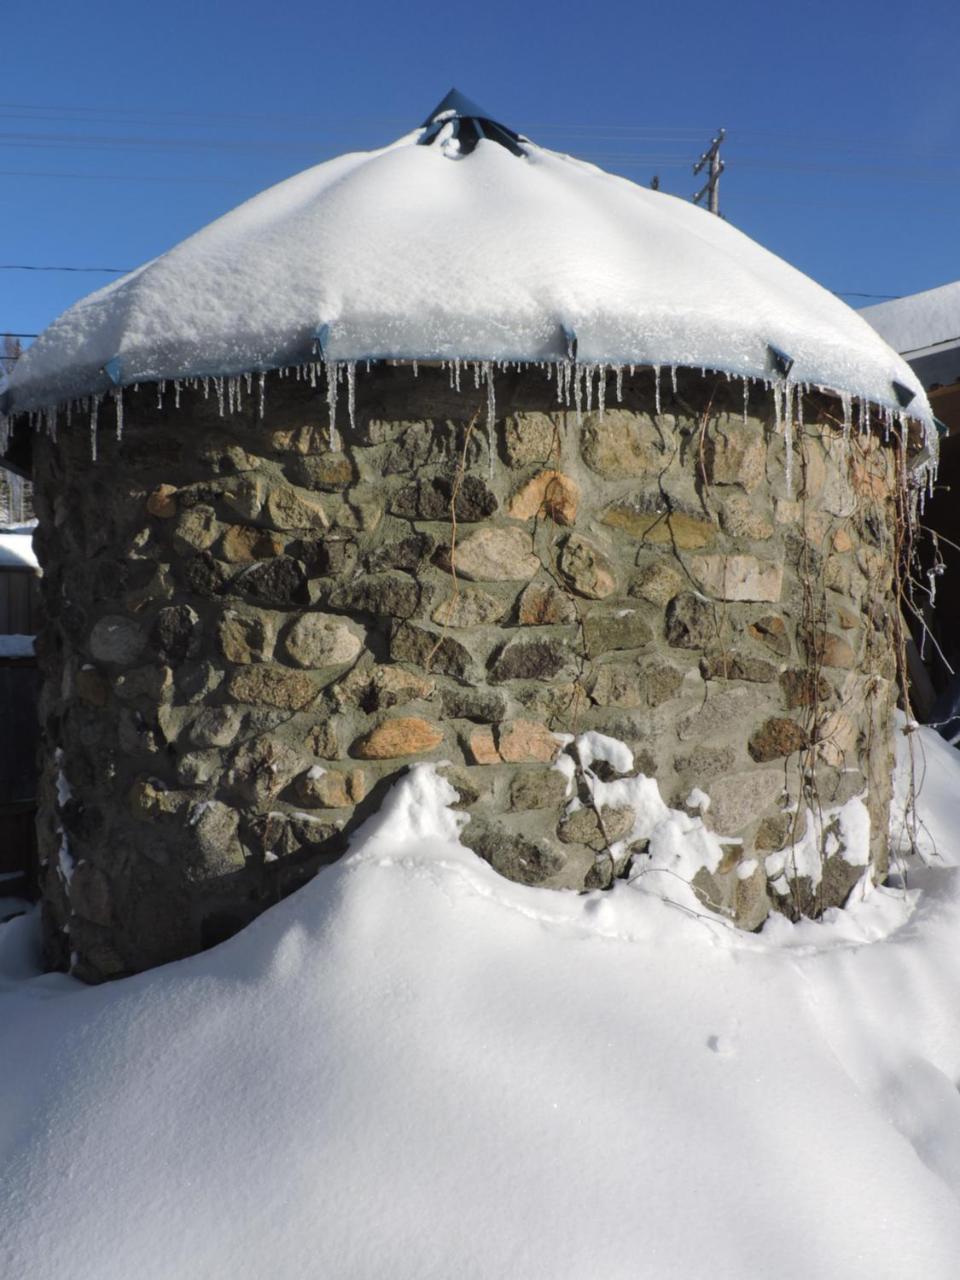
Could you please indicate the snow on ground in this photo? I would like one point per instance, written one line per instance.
(413, 1068)
(417, 252)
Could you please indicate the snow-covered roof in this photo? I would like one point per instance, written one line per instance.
(920, 324)
(461, 240)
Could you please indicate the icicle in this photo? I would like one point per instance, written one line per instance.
(491, 413)
(206, 388)
(159, 395)
(578, 392)
(788, 435)
(847, 404)
(416, 370)
(176, 393)
(262, 391)
(331, 370)
(351, 392)
(588, 386)
(602, 390)
(218, 388)
(619, 384)
(456, 374)
(248, 378)
(118, 398)
(746, 399)
(673, 378)
(94, 413)
(656, 388)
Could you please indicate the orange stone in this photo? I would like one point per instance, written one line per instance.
(244, 543)
(550, 494)
(523, 741)
(403, 736)
(162, 503)
(482, 747)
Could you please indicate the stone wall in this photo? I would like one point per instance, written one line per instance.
(249, 635)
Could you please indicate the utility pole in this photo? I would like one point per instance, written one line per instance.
(711, 188)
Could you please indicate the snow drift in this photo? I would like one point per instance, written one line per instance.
(413, 1068)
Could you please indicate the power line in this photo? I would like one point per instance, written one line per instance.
(119, 271)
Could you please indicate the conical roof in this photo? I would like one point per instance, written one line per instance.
(462, 240)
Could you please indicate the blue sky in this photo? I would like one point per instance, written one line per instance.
(125, 127)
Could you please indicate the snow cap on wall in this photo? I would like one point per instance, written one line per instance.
(462, 240)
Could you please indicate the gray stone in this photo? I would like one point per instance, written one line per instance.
(738, 799)
(737, 577)
(214, 848)
(494, 555)
(245, 638)
(705, 762)
(329, 471)
(584, 826)
(431, 650)
(622, 445)
(724, 706)
(176, 633)
(386, 595)
(735, 454)
(647, 685)
(90, 895)
(273, 687)
(737, 666)
(612, 628)
(461, 702)
(538, 789)
(321, 640)
(691, 623)
(259, 770)
(215, 726)
(657, 582)
(519, 858)
(196, 768)
(544, 604)
(538, 659)
(151, 683)
(469, 607)
(335, 555)
(288, 508)
(586, 569)
(431, 499)
(532, 438)
(195, 530)
(116, 639)
(407, 553)
(281, 581)
(205, 576)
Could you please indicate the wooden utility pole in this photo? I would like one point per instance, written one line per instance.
(711, 188)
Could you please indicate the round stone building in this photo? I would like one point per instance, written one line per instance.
(469, 453)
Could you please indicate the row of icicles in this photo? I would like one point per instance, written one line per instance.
(574, 383)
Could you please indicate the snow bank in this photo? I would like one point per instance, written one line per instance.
(416, 252)
(415, 1068)
(14, 646)
(16, 551)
